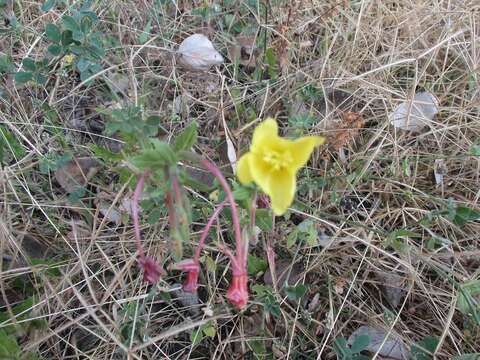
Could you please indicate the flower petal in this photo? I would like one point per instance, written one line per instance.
(302, 148)
(267, 130)
(281, 190)
(243, 169)
(260, 171)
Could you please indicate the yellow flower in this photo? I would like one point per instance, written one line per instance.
(273, 162)
(68, 59)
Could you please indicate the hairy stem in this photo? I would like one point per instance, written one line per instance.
(241, 253)
(136, 225)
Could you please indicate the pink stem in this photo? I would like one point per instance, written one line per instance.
(241, 253)
(136, 226)
(203, 237)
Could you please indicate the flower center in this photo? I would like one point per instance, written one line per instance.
(278, 160)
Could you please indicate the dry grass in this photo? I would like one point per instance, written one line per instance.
(380, 52)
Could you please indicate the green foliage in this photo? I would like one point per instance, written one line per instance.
(344, 352)
(132, 124)
(264, 295)
(198, 335)
(53, 161)
(34, 71)
(158, 156)
(475, 150)
(76, 35)
(272, 63)
(302, 121)
(9, 145)
(264, 219)
(396, 240)
(295, 293)
(6, 64)
(306, 232)
(471, 356)
(467, 301)
(424, 349)
(457, 214)
(187, 138)
(256, 265)
(48, 5)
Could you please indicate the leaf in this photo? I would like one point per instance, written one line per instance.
(416, 114)
(9, 143)
(55, 49)
(53, 33)
(464, 215)
(29, 64)
(424, 349)
(392, 348)
(9, 348)
(475, 150)
(196, 336)
(143, 37)
(468, 297)
(70, 23)
(360, 343)
(67, 38)
(22, 77)
(295, 293)
(75, 174)
(271, 60)
(162, 155)
(264, 219)
(209, 330)
(48, 5)
(6, 64)
(187, 137)
(256, 265)
(472, 356)
(197, 52)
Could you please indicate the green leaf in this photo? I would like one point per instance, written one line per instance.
(471, 356)
(9, 348)
(292, 238)
(360, 343)
(143, 37)
(468, 292)
(6, 64)
(271, 60)
(264, 219)
(256, 265)
(464, 215)
(424, 349)
(154, 159)
(29, 64)
(55, 49)
(295, 293)
(187, 137)
(67, 37)
(8, 142)
(48, 5)
(209, 330)
(340, 346)
(196, 336)
(86, 24)
(475, 150)
(70, 23)
(22, 77)
(53, 33)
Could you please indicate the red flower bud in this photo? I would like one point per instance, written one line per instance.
(191, 282)
(237, 294)
(151, 270)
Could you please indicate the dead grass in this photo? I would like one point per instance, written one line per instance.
(378, 52)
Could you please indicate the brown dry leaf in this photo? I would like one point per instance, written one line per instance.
(285, 272)
(393, 287)
(245, 52)
(345, 131)
(339, 286)
(76, 173)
